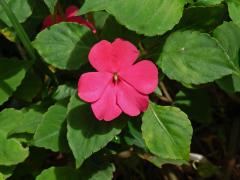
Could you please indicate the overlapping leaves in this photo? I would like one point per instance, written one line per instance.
(12, 72)
(149, 17)
(66, 48)
(231, 45)
(85, 134)
(21, 9)
(11, 151)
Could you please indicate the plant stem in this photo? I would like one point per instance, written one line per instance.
(21, 51)
(164, 99)
(143, 51)
(19, 29)
(165, 91)
(22, 35)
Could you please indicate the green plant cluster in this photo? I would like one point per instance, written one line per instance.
(47, 132)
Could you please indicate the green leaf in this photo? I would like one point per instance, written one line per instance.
(230, 83)
(203, 18)
(149, 17)
(11, 151)
(58, 173)
(12, 72)
(192, 57)
(134, 137)
(30, 122)
(97, 5)
(158, 92)
(86, 135)
(234, 10)
(50, 131)
(63, 91)
(167, 132)
(1, 176)
(91, 171)
(100, 18)
(208, 2)
(113, 30)
(106, 174)
(31, 85)
(6, 171)
(51, 5)
(9, 120)
(97, 171)
(66, 47)
(20, 8)
(228, 34)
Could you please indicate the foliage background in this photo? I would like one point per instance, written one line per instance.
(191, 128)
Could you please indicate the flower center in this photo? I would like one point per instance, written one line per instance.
(115, 77)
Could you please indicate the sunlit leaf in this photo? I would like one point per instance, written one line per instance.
(167, 132)
(149, 17)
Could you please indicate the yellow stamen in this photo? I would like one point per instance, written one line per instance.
(115, 77)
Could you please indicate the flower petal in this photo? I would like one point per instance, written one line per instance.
(80, 20)
(130, 100)
(106, 107)
(48, 21)
(70, 14)
(143, 76)
(92, 85)
(124, 53)
(71, 11)
(111, 57)
(100, 55)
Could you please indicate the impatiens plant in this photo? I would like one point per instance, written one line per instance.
(119, 89)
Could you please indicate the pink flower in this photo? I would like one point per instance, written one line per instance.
(119, 85)
(70, 16)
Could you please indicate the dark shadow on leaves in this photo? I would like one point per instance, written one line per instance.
(190, 102)
(6, 88)
(112, 30)
(81, 118)
(202, 18)
(92, 166)
(227, 83)
(63, 173)
(8, 69)
(79, 54)
(62, 138)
